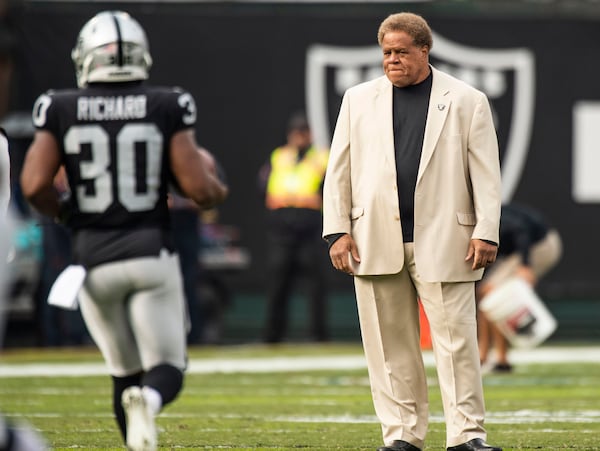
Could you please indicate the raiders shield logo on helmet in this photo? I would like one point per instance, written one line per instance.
(506, 76)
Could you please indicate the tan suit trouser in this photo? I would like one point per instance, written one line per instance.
(389, 321)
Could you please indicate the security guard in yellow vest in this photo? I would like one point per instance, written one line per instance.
(292, 180)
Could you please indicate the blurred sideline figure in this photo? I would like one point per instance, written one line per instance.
(185, 219)
(122, 143)
(12, 437)
(292, 180)
(529, 248)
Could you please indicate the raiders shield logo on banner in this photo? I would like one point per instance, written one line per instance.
(507, 76)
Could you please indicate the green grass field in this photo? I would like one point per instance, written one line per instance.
(540, 406)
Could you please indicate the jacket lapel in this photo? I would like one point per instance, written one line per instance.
(383, 120)
(439, 105)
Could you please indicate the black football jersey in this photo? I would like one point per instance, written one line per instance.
(114, 139)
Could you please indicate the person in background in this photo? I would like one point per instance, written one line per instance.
(123, 142)
(292, 181)
(529, 248)
(411, 208)
(185, 221)
(13, 437)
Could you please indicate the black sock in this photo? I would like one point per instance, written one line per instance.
(119, 386)
(166, 380)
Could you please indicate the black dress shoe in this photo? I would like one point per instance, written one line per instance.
(400, 445)
(476, 444)
(502, 368)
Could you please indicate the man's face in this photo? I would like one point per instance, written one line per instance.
(300, 138)
(404, 63)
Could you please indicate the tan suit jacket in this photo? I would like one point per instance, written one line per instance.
(457, 194)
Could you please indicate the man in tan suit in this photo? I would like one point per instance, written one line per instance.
(412, 210)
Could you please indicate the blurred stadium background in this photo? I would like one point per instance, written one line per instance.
(249, 64)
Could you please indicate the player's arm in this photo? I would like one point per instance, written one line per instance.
(41, 164)
(195, 170)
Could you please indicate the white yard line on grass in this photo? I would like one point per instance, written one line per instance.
(575, 354)
(505, 417)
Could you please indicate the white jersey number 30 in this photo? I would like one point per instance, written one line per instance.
(97, 169)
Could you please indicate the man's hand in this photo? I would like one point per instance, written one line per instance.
(339, 254)
(482, 254)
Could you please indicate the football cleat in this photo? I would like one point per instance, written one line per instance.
(141, 429)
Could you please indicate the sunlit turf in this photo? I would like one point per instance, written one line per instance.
(537, 407)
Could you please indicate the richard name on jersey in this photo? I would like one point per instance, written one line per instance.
(114, 140)
(113, 108)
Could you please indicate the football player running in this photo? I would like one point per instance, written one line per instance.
(122, 143)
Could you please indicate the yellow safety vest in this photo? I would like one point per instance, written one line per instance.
(294, 183)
